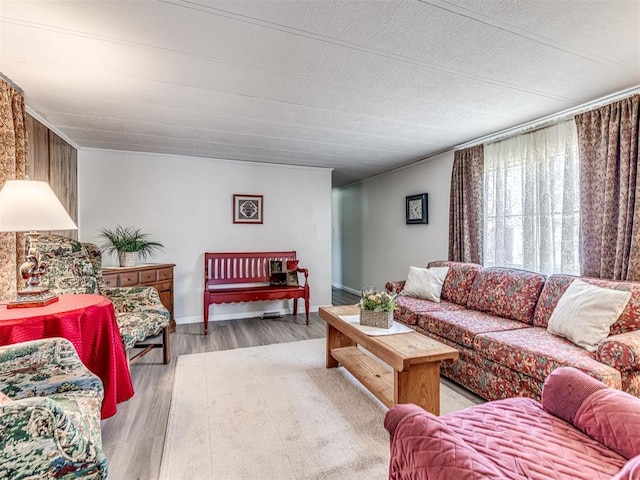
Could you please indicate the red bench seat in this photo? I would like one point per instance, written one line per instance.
(244, 277)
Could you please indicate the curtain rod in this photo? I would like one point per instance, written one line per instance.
(11, 82)
(549, 120)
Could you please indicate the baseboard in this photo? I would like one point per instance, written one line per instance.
(346, 289)
(213, 317)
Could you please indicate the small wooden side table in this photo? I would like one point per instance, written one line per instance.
(156, 275)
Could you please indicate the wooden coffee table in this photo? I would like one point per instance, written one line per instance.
(415, 359)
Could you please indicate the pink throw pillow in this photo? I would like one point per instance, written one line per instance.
(4, 398)
(612, 417)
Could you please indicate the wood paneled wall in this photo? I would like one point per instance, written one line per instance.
(53, 160)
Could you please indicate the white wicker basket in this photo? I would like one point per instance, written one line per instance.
(128, 259)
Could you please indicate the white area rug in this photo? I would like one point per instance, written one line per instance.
(275, 412)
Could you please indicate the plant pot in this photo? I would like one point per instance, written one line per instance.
(128, 259)
(371, 318)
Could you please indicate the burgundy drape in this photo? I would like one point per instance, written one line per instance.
(466, 205)
(610, 190)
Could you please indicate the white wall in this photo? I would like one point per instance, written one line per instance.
(186, 204)
(372, 243)
(347, 241)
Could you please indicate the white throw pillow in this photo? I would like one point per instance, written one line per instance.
(425, 283)
(585, 312)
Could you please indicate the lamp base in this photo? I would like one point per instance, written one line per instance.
(34, 297)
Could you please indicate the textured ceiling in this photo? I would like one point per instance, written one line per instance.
(359, 86)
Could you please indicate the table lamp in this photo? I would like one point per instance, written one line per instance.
(29, 206)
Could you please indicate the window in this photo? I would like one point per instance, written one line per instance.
(532, 201)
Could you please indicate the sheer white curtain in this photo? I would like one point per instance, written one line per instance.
(532, 201)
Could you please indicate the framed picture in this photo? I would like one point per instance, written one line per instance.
(292, 279)
(416, 209)
(275, 266)
(247, 208)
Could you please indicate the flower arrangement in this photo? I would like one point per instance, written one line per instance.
(378, 302)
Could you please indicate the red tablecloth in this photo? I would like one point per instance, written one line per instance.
(87, 321)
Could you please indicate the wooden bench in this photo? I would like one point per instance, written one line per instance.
(222, 269)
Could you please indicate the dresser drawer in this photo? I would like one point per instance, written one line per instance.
(147, 276)
(165, 273)
(128, 279)
(110, 280)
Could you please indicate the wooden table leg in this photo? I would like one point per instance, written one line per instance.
(336, 339)
(419, 384)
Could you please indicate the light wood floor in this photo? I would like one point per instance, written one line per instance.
(133, 439)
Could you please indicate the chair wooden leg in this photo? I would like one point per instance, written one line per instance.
(166, 345)
(206, 315)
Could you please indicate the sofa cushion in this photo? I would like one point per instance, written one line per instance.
(566, 379)
(612, 418)
(457, 284)
(631, 383)
(462, 326)
(621, 351)
(556, 285)
(69, 267)
(40, 368)
(490, 380)
(506, 292)
(408, 308)
(585, 313)
(424, 447)
(528, 442)
(84, 408)
(537, 353)
(136, 326)
(425, 283)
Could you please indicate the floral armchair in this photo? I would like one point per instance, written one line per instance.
(74, 267)
(49, 413)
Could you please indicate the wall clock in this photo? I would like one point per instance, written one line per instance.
(416, 209)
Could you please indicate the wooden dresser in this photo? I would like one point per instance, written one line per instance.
(157, 275)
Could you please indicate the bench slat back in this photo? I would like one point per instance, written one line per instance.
(243, 267)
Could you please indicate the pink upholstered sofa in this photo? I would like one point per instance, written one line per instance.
(497, 319)
(581, 430)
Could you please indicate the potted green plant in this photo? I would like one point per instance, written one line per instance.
(128, 243)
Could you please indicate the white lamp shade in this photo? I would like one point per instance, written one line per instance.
(29, 205)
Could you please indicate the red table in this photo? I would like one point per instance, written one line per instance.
(87, 321)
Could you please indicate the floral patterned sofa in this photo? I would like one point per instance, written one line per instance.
(74, 267)
(497, 319)
(49, 413)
